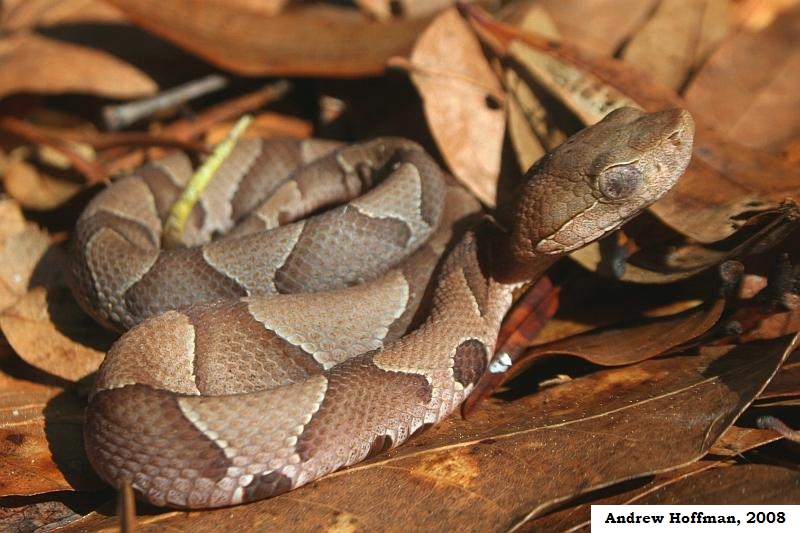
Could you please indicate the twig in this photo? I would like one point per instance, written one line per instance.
(120, 116)
(772, 423)
(126, 508)
(92, 170)
(228, 110)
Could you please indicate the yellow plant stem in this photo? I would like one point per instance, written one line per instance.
(179, 212)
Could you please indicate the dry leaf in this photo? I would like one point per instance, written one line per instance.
(385, 9)
(265, 125)
(529, 124)
(765, 485)
(31, 61)
(785, 384)
(48, 331)
(457, 84)
(723, 181)
(677, 38)
(70, 68)
(41, 437)
(758, 14)
(600, 26)
(513, 457)
(636, 491)
(22, 246)
(35, 189)
(304, 40)
(737, 440)
(19, 14)
(625, 345)
(748, 89)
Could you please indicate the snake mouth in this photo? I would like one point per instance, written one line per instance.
(553, 246)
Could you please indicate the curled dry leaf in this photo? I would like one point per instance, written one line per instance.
(625, 345)
(513, 457)
(34, 188)
(460, 96)
(671, 261)
(48, 331)
(304, 40)
(529, 123)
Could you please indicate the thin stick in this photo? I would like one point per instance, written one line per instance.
(93, 170)
(126, 508)
(227, 110)
(772, 423)
(230, 109)
(120, 116)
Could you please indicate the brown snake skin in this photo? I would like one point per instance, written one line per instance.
(311, 350)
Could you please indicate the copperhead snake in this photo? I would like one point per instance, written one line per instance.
(305, 348)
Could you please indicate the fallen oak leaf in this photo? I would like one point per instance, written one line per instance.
(531, 125)
(737, 440)
(627, 344)
(597, 25)
(20, 14)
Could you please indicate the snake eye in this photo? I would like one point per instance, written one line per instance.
(619, 182)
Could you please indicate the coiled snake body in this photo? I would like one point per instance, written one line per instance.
(265, 387)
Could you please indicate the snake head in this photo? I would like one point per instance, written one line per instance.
(600, 178)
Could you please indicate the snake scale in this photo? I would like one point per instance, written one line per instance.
(288, 347)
